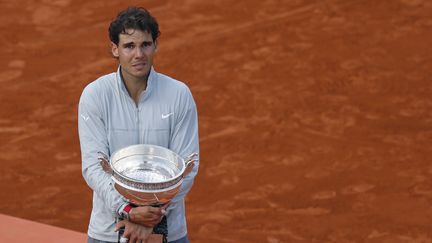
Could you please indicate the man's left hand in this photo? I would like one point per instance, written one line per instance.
(134, 232)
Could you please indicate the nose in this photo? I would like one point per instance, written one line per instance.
(139, 52)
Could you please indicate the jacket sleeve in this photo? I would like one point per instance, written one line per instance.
(185, 141)
(93, 138)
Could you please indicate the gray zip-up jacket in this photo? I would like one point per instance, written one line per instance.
(109, 119)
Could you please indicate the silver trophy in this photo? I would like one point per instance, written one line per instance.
(147, 175)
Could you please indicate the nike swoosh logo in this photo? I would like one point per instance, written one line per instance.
(165, 116)
(85, 117)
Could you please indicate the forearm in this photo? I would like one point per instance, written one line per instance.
(187, 184)
(101, 184)
(185, 142)
(93, 139)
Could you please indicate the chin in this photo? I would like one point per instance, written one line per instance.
(142, 74)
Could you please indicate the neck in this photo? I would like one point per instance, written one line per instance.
(135, 86)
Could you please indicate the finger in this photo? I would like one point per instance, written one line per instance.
(160, 220)
(127, 233)
(120, 225)
(146, 210)
(132, 239)
(146, 238)
(160, 213)
(155, 210)
(166, 205)
(155, 222)
(163, 211)
(151, 218)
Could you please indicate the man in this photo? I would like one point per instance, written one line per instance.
(135, 105)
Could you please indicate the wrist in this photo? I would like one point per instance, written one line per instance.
(125, 211)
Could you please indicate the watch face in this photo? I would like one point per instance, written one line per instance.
(125, 215)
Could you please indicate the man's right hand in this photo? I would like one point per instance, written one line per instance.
(146, 215)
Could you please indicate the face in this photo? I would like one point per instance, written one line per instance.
(135, 52)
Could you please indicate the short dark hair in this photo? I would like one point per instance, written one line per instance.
(136, 18)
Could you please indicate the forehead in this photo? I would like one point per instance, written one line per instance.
(133, 35)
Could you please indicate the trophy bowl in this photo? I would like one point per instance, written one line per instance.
(147, 175)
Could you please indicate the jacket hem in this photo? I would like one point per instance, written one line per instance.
(102, 238)
(176, 236)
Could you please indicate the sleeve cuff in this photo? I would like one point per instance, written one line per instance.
(121, 209)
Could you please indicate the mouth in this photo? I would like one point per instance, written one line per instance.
(140, 65)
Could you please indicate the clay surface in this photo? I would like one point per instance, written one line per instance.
(315, 116)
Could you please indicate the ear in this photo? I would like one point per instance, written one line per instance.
(114, 50)
(155, 43)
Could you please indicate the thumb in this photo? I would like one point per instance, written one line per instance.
(120, 225)
(155, 210)
(166, 206)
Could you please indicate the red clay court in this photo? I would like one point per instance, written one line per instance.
(315, 116)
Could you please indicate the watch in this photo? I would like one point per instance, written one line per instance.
(125, 212)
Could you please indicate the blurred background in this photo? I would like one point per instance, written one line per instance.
(315, 116)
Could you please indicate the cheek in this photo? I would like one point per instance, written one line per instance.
(123, 60)
(125, 55)
(150, 53)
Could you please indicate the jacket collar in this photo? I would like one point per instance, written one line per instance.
(151, 82)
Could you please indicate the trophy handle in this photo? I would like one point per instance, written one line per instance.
(190, 163)
(104, 162)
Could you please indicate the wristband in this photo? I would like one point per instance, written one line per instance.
(125, 212)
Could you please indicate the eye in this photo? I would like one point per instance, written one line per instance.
(147, 43)
(128, 46)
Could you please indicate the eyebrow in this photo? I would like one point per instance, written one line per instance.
(128, 43)
(132, 43)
